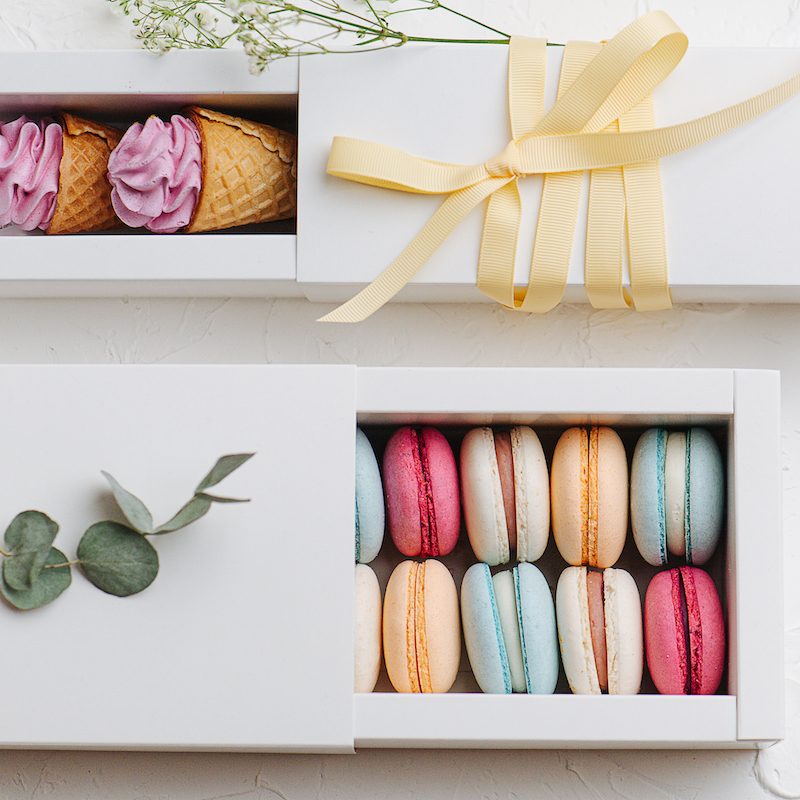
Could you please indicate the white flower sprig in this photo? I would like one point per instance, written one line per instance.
(272, 29)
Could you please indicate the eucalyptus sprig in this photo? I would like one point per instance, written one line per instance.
(115, 557)
(270, 30)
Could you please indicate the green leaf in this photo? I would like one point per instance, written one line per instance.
(132, 507)
(215, 498)
(197, 507)
(48, 586)
(28, 537)
(224, 466)
(117, 559)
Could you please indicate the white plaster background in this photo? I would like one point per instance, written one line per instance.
(193, 331)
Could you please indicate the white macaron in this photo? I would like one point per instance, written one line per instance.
(367, 636)
(600, 630)
(506, 494)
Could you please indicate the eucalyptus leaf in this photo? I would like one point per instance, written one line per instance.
(135, 511)
(224, 466)
(28, 538)
(48, 586)
(197, 507)
(117, 559)
(215, 498)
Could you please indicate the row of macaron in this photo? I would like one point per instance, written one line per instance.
(675, 493)
(514, 632)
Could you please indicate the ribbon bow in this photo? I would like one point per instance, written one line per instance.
(602, 121)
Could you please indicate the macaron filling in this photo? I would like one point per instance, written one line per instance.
(597, 625)
(687, 499)
(525, 663)
(689, 628)
(504, 453)
(421, 633)
(427, 514)
(589, 494)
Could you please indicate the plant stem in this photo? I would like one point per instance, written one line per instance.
(471, 19)
(5, 553)
(61, 566)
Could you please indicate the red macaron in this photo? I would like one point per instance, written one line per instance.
(420, 481)
(684, 632)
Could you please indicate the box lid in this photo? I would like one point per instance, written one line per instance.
(244, 640)
(449, 102)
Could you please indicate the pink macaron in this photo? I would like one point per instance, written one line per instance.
(684, 632)
(420, 482)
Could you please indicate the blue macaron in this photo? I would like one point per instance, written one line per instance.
(370, 513)
(677, 495)
(509, 627)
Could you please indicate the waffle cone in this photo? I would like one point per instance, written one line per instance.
(83, 202)
(249, 172)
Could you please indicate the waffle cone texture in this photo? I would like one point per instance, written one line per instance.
(83, 203)
(249, 172)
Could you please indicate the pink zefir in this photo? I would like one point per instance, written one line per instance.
(155, 174)
(30, 159)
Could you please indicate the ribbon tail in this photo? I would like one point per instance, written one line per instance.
(499, 245)
(446, 219)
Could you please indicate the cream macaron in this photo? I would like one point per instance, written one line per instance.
(506, 494)
(589, 496)
(367, 634)
(600, 630)
(421, 627)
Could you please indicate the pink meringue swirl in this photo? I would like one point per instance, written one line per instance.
(30, 158)
(155, 174)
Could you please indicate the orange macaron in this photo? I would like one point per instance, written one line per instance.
(421, 627)
(589, 496)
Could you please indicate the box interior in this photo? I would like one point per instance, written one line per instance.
(379, 428)
(123, 109)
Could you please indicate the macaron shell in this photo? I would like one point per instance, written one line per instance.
(612, 498)
(569, 494)
(537, 626)
(706, 630)
(370, 513)
(483, 634)
(574, 633)
(532, 486)
(706, 507)
(505, 594)
(367, 635)
(442, 626)
(647, 496)
(402, 489)
(398, 628)
(624, 640)
(484, 514)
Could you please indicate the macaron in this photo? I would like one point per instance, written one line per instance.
(677, 495)
(600, 630)
(684, 632)
(420, 481)
(421, 630)
(370, 515)
(367, 634)
(589, 496)
(510, 629)
(506, 494)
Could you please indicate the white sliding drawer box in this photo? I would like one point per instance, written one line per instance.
(244, 641)
(120, 88)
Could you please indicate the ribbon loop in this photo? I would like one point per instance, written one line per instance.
(602, 122)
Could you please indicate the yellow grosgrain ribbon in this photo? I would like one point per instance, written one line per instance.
(602, 121)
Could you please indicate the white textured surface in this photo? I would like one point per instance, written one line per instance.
(285, 331)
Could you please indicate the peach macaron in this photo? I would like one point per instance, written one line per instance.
(589, 496)
(421, 627)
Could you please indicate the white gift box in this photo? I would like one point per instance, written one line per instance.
(245, 639)
(729, 205)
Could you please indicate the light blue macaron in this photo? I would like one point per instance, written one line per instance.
(370, 514)
(509, 627)
(677, 496)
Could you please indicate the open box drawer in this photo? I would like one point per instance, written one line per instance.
(245, 640)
